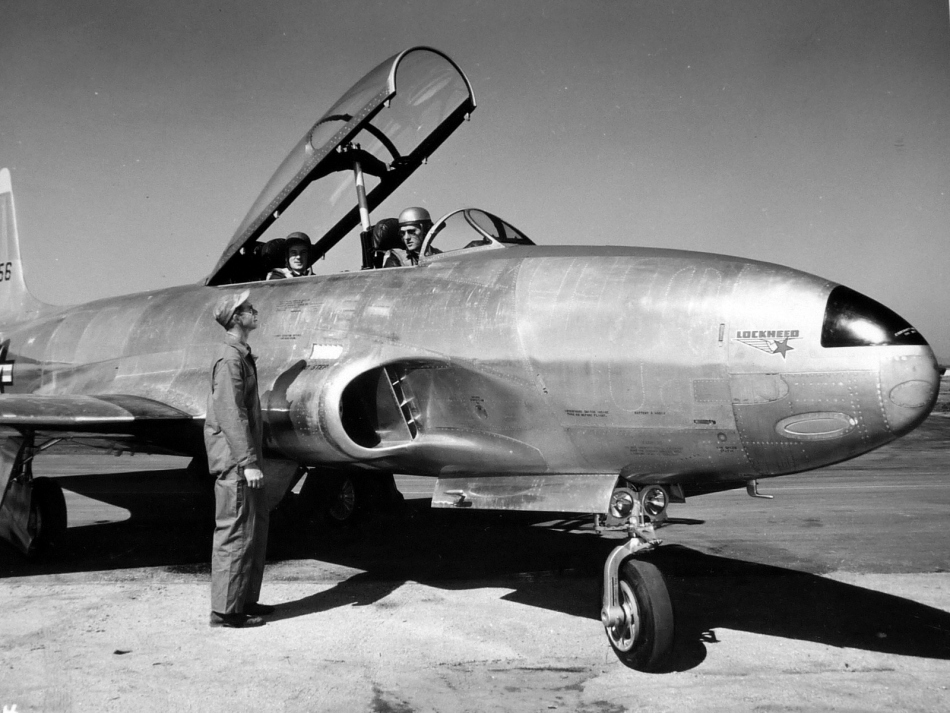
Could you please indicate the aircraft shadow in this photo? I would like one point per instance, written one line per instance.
(710, 592)
(559, 568)
(556, 566)
(171, 516)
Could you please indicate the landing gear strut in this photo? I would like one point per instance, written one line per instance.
(33, 511)
(637, 613)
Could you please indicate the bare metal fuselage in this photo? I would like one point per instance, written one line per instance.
(517, 361)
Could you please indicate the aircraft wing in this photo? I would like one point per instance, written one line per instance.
(104, 413)
(118, 416)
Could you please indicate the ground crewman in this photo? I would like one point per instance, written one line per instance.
(233, 439)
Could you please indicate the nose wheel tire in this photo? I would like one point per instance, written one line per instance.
(644, 639)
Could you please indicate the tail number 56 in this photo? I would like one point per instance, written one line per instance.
(5, 270)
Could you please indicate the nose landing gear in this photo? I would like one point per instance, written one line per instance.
(637, 613)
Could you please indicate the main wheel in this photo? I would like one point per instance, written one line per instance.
(335, 498)
(644, 641)
(47, 515)
(342, 499)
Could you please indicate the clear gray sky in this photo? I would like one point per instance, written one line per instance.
(811, 133)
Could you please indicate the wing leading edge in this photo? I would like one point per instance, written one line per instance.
(104, 413)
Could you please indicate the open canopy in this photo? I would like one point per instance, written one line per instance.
(389, 123)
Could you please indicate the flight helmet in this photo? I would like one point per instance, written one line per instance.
(414, 216)
(298, 238)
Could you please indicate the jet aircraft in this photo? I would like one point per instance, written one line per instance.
(601, 380)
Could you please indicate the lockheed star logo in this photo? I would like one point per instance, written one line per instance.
(770, 341)
(6, 367)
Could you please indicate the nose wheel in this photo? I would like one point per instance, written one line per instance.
(640, 625)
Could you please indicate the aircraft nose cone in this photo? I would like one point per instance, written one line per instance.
(909, 386)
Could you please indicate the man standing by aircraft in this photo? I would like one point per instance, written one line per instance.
(233, 438)
(414, 223)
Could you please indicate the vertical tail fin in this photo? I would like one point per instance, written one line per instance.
(16, 302)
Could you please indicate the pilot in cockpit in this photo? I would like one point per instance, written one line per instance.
(296, 261)
(414, 223)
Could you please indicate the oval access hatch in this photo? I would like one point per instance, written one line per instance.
(912, 394)
(816, 426)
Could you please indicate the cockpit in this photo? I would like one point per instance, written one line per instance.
(465, 229)
(468, 229)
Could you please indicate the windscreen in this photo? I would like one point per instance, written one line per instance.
(471, 228)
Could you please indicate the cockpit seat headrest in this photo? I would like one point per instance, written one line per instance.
(386, 235)
(273, 254)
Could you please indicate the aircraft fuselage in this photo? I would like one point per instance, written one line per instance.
(660, 365)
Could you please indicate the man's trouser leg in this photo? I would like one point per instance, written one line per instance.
(258, 546)
(233, 539)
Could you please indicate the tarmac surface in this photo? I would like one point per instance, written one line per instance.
(834, 595)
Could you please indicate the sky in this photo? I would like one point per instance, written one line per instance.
(809, 133)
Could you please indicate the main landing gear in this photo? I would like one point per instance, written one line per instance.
(637, 613)
(33, 511)
(341, 498)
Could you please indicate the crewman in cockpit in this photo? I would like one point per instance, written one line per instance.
(297, 250)
(414, 223)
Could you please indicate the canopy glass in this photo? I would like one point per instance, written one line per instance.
(389, 123)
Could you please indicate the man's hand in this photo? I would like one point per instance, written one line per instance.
(254, 477)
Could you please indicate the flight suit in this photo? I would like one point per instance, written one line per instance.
(233, 435)
(282, 274)
(397, 257)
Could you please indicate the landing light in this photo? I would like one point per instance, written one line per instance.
(621, 503)
(655, 500)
